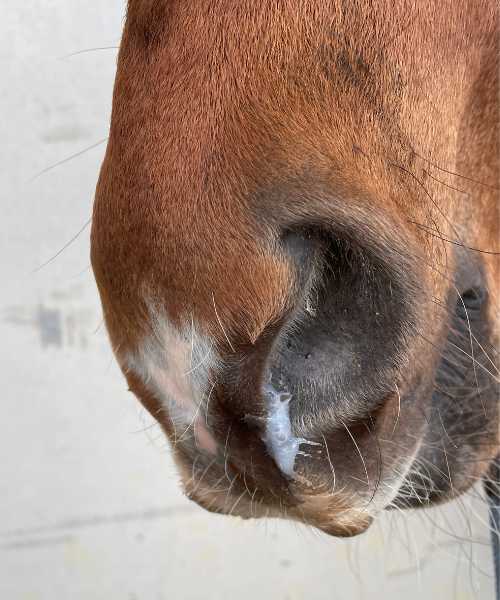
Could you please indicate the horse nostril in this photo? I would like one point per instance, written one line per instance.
(344, 340)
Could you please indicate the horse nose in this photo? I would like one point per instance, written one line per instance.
(308, 386)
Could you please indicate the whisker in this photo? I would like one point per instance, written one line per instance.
(220, 323)
(399, 411)
(492, 375)
(332, 468)
(439, 236)
(66, 160)
(87, 50)
(359, 451)
(205, 471)
(488, 185)
(66, 245)
(451, 187)
(200, 363)
(236, 502)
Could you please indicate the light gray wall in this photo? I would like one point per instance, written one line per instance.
(90, 508)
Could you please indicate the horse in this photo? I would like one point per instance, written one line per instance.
(295, 238)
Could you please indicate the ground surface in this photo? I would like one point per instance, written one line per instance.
(90, 508)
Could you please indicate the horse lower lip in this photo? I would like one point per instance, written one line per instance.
(348, 531)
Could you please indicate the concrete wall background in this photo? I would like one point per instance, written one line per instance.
(90, 508)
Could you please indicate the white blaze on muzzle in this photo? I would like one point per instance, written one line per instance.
(176, 365)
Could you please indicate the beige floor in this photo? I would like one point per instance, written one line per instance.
(89, 503)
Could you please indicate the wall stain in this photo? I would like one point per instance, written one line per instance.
(79, 523)
(60, 321)
(38, 543)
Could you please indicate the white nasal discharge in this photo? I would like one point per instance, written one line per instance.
(280, 441)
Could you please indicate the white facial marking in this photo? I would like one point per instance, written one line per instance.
(176, 365)
(280, 441)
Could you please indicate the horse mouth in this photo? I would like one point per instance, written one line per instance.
(266, 465)
(453, 451)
